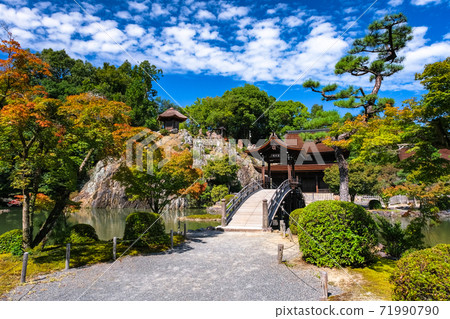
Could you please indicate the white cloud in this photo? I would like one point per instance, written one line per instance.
(137, 6)
(278, 7)
(189, 38)
(158, 10)
(395, 3)
(134, 30)
(231, 12)
(205, 15)
(293, 21)
(424, 2)
(123, 15)
(350, 10)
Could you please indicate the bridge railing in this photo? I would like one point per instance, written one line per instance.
(241, 197)
(277, 197)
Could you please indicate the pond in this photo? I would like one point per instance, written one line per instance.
(108, 223)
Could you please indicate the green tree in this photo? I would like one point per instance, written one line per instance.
(130, 84)
(363, 179)
(435, 104)
(247, 110)
(159, 187)
(374, 55)
(221, 172)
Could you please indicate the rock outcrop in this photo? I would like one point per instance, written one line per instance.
(102, 191)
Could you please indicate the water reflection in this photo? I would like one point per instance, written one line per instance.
(110, 223)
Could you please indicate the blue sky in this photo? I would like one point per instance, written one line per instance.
(208, 47)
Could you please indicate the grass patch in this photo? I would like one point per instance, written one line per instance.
(202, 217)
(52, 258)
(376, 278)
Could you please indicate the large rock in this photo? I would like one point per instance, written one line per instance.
(102, 191)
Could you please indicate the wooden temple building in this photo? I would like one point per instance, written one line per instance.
(302, 162)
(171, 119)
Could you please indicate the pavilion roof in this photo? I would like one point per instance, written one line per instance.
(172, 114)
(292, 142)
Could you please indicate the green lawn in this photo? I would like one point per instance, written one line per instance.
(52, 258)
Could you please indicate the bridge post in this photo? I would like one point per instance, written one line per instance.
(224, 212)
(265, 214)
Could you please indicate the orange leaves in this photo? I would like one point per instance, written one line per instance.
(195, 190)
(17, 70)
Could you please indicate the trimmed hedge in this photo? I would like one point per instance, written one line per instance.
(293, 220)
(11, 242)
(82, 234)
(138, 223)
(336, 232)
(423, 275)
(375, 204)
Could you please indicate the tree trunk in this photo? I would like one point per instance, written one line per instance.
(26, 229)
(343, 174)
(52, 218)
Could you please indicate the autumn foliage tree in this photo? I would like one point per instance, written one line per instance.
(16, 71)
(375, 56)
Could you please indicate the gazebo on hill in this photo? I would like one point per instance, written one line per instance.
(171, 119)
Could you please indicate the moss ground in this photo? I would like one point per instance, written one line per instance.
(52, 258)
(367, 283)
(202, 217)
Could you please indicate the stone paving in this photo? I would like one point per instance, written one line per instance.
(211, 265)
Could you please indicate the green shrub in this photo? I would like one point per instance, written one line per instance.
(423, 275)
(138, 223)
(228, 198)
(333, 232)
(82, 234)
(164, 132)
(11, 242)
(293, 220)
(396, 240)
(218, 192)
(375, 204)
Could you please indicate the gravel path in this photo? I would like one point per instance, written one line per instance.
(210, 266)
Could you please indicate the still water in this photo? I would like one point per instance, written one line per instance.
(110, 223)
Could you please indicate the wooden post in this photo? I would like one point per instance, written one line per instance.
(289, 172)
(185, 230)
(224, 212)
(280, 253)
(67, 256)
(114, 248)
(265, 214)
(324, 285)
(290, 235)
(171, 239)
(23, 277)
(283, 228)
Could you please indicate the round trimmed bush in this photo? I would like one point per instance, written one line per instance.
(11, 242)
(334, 232)
(423, 275)
(82, 234)
(138, 223)
(293, 220)
(375, 204)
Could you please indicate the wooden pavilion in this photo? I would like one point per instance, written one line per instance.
(171, 119)
(292, 158)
